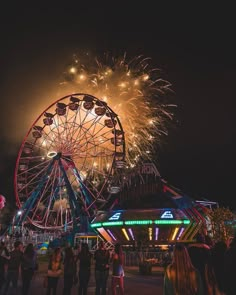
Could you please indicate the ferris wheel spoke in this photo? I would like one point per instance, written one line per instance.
(85, 189)
(95, 129)
(34, 179)
(42, 191)
(94, 143)
(80, 136)
(93, 123)
(79, 133)
(73, 126)
(49, 142)
(94, 147)
(72, 129)
(47, 212)
(32, 164)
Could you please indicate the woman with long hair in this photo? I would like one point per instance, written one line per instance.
(181, 278)
(117, 260)
(54, 271)
(84, 258)
(28, 267)
(69, 270)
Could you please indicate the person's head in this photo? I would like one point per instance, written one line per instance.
(200, 238)
(181, 256)
(220, 247)
(69, 253)
(84, 248)
(118, 248)
(18, 245)
(209, 241)
(68, 244)
(101, 245)
(29, 250)
(57, 252)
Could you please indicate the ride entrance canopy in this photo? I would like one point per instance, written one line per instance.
(70, 163)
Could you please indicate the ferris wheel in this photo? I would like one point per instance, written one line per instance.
(70, 162)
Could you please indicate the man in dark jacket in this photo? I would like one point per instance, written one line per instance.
(14, 267)
(102, 259)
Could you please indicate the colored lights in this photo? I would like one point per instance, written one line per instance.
(139, 222)
(115, 216)
(175, 233)
(154, 226)
(125, 233)
(51, 154)
(112, 223)
(150, 233)
(156, 233)
(167, 214)
(172, 221)
(180, 233)
(99, 224)
(104, 234)
(111, 234)
(131, 233)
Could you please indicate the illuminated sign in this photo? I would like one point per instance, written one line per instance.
(115, 216)
(167, 214)
(139, 222)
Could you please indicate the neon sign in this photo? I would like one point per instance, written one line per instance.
(139, 222)
(167, 214)
(115, 216)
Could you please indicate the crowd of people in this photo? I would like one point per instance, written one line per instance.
(14, 262)
(201, 268)
(62, 263)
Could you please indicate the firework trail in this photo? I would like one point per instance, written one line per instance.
(134, 91)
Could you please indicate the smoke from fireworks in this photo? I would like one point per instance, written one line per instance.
(133, 90)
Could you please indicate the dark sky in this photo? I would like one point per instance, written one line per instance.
(193, 46)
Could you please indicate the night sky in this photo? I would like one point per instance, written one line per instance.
(195, 49)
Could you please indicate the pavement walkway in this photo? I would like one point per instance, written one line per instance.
(135, 283)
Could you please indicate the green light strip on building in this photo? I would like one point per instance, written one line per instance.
(139, 222)
(168, 221)
(112, 223)
(96, 224)
(132, 222)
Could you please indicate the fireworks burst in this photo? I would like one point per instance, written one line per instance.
(134, 91)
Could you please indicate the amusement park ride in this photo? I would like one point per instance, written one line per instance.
(69, 164)
(71, 175)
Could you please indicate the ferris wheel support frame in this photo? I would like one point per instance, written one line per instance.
(74, 205)
(72, 199)
(27, 206)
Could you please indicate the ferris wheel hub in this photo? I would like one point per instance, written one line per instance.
(53, 154)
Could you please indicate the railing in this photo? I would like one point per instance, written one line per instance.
(158, 258)
(34, 238)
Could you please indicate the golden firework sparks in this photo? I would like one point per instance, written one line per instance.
(135, 92)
